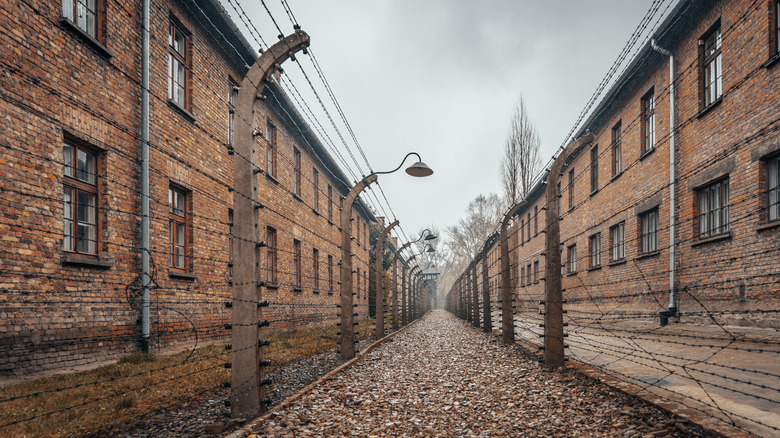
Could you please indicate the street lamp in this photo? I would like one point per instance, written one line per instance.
(418, 169)
(427, 235)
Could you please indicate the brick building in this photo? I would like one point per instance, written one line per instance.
(69, 178)
(615, 194)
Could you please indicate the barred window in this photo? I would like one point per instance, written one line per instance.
(712, 65)
(648, 122)
(595, 250)
(594, 168)
(648, 231)
(179, 65)
(296, 171)
(80, 199)
(617, 152)
(617, 235)
(297, 268)
(271, 149)
(270, 255)
(714, 209)
(571, 259)
(773, 188)
(178, 200)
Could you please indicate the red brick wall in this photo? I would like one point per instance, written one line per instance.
(56, 314)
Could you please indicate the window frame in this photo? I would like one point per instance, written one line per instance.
(297, 172)
(617, 152)
(316, 183)
(271, 139)
(330, 202)
(708, 96)
(571, 188)
(571, 259)
(77, 185)
(536, 271)
(522, 276)
(617, 246)
(594, 169)
(772, 164)
(69, 13)
(271, 255)
(705, 196)
(175, 220)
(297, 265)
(185, 58)
(315, 253)
(536, 220)
(330, 275)
(649, 236)
(232, 96)
(648, 121)
(594, 250)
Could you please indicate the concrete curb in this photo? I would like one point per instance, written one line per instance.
(246, 430)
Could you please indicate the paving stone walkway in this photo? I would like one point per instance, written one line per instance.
(442, 378)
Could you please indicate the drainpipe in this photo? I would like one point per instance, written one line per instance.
(672, 179)
(145, 278)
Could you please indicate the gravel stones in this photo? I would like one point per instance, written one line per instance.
(442, 377)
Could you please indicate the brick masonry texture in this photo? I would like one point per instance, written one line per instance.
(733, 274)
(58, 309)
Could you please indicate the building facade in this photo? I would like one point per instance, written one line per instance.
(70, 183)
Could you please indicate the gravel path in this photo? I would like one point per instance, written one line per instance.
(442, 377)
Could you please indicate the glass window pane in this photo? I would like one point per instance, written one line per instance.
(178, 43)
(85, 238)
(170, 76)
(85, 167)
(67, 160)
(86, 208)
(179, 257)
(179, 234)
(67, 240)
(67, 9)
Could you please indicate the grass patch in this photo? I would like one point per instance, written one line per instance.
(137, 384)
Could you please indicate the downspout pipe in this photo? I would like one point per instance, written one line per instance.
(145, 277)
(672, 178)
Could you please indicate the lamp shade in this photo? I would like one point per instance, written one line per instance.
(430, 236)
(419, 169)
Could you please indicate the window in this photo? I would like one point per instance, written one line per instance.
(536, 271)
(232, 110)
(357, 283)
(617, 153)
(558, 198)
(271, 151)
(571, 259)
(595, 250)
(522, 231)
(316, 189)
(528, 274)
(594, 169)
(179, 60)
(617, 236)
(230, 241)
(712, 67)
(80, 199)
(777, 26)
(648, 231)
(87, 15)
(177, 219)
(522, 276)
(297, 172)
(330, 203)
(648, 122)
(528, 222)
(571, 189)
(297, 274)
(316, 267)
(773, 188)
(270, 255)
(536, 220)
(330, 275)
(713, 209)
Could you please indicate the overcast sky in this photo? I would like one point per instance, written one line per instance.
(441, 77)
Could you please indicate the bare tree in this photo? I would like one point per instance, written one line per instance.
(465, 239)
(521, 161)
